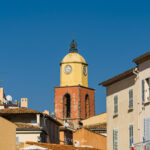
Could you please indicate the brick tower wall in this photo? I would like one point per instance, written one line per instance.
(59, 94)
(77, 94)
(91, 93)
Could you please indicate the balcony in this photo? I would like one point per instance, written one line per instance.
(142, 146)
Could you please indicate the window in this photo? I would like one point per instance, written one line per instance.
(143, 91)
(54, 131)
(115, 104)
(130, 135)
(131, 99)
(17, 139)
(33, 121)
(146, 90)
(87, 107)
(147, 129)
(67, 106)
(115, 139)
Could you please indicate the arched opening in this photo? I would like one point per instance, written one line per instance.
(67, 106)
(87, 106)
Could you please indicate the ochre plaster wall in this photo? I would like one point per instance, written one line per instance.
(75, 77)
(88, 138)
(7, 135)
(62, 137)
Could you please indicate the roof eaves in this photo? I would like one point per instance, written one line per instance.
(117, 78)
(51, 118)
(29, 129)
(142, 58)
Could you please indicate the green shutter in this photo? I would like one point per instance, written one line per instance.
(143, 91)
(116, 104)
(130, 98)
(115, 139)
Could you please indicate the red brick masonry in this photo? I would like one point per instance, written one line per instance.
(78, 94)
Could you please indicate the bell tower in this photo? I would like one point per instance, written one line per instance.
(73, 68)
(74, 101)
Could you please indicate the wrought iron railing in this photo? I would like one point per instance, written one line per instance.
(142, 146)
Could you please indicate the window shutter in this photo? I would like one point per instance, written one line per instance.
(130, 135)
(147, 129)
(17, 139)
(149, 87)
(116, 104)
(130, 98)
(115, 139)
(143, 91)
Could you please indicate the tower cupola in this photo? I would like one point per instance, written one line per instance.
(73, 68)
(73, 47)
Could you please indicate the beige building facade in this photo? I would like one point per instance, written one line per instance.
(128, 106)
(7, 135)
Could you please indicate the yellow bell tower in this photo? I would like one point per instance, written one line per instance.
(73, 68)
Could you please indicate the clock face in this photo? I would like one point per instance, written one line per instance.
(68, 69)
(84, 70)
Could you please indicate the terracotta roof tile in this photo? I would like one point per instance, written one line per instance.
(26, 126)
(25, 111)
(96, 126)
(18, 111)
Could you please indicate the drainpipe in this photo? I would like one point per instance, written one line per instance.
(136, 72)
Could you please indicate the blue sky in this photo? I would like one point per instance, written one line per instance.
(35, 36)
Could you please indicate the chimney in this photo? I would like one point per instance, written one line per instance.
(2, 95)
(24, 102)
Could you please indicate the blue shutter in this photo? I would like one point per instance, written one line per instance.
(147, 129)
(143, 91)
(17, 139)
(130, 135)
